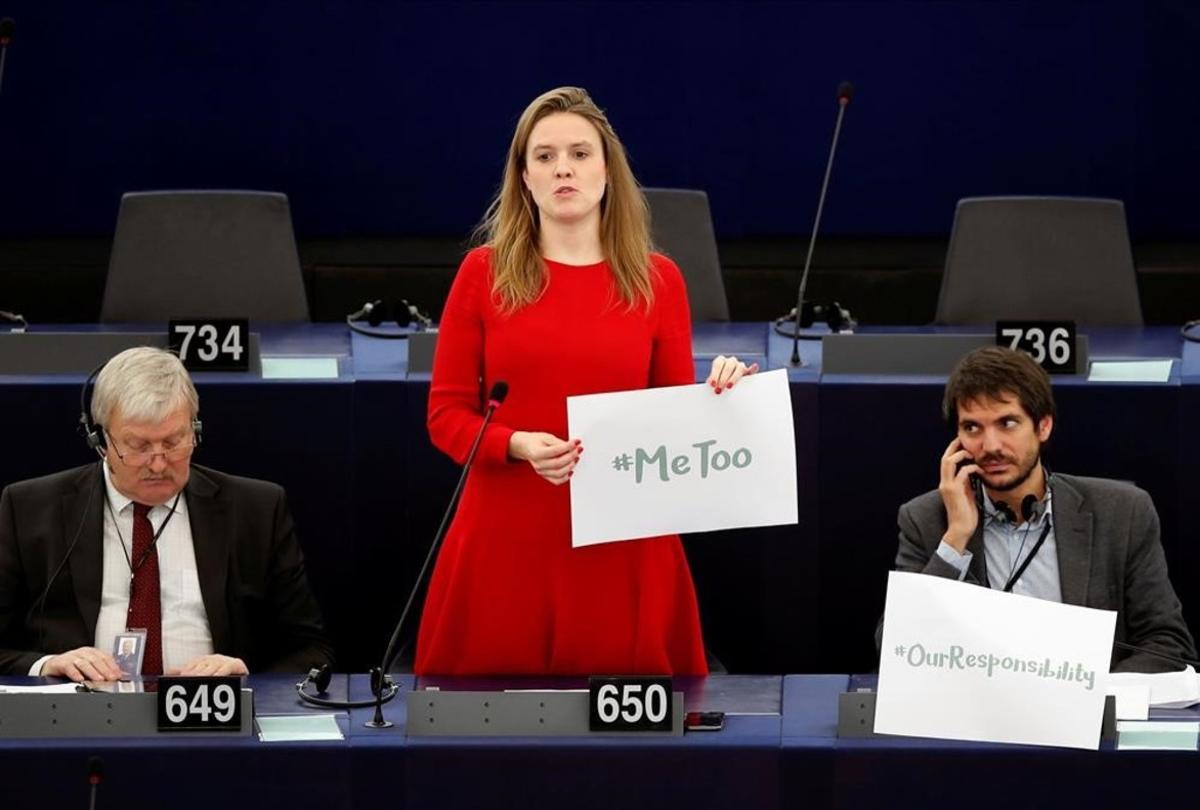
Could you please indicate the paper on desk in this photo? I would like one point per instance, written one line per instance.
(1157, 735)
(52, 689)
(298, 727)
(299, 368)
(683, 459)
(1151, 371)
(1168, 690)
(1133, 702)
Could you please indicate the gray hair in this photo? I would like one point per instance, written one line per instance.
(146, 384)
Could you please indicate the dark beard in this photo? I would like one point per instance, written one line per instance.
(1021, 478)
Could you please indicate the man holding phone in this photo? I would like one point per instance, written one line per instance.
(1000, 519)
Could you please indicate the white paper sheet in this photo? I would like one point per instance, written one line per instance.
(1150, 371)
(969, 663)
(51, 689)
(683, 459)
(298, 727)
(1168, 690)
(299, 368)
(1133, 702)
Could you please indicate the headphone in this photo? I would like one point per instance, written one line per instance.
(92, 433)
(834, 314)
(407, 316)
(1031, 508)
(320, 677)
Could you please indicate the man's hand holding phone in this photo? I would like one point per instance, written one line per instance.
(958, 496)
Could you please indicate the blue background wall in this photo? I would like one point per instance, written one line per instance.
(393, 117)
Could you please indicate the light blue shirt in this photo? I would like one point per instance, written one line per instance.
(1007, 545)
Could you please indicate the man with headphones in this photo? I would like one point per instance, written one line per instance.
(203, 566)
(1081, 541)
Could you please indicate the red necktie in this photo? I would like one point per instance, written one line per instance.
(145, 605)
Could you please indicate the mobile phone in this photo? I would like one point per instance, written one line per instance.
(704, 721)
(976, 481)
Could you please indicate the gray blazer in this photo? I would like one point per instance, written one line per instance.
(1109, 557)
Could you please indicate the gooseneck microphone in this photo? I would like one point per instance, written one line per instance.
(844, 94)
(15, 318)
(7, 26)
(495, 398)
(383, 688)
(95, 772)
(1182, 662)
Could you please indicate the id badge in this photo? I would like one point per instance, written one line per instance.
(129, 648)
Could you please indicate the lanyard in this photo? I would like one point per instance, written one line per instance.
(1016, 575)
(133, 568)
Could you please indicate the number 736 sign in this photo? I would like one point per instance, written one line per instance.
(211, 344)
(1052, 344)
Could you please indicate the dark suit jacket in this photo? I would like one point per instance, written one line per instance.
(1109, 557)
(259, 605)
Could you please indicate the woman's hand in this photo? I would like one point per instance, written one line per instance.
(726, 371)
(551, 457)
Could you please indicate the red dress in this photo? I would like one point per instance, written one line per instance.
(509, 595)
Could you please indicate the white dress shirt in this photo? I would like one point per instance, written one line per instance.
(1006, 546)
(185, 631)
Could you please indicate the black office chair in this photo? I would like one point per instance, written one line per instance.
(1039, 258)
(681, 227)
(204, 254)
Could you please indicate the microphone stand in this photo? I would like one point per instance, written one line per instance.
(380, 679)
(845, 91)
(7, 27)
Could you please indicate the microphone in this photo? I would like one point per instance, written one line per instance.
(379, 677)
(95, 771)
(382, 687)
(1174, 659)
(7, 26)
(844, 94)
(13, 317)
(495, 399)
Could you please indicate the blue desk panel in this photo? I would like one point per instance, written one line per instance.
(790, 758)
(367, 487)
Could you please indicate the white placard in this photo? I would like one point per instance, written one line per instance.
(962, 662)
(683, 459)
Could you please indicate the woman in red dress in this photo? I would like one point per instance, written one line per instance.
(565, 298)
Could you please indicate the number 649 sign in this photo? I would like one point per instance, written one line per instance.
(199, 704)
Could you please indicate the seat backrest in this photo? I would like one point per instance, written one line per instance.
(1039, 258)
(681, 227)
(204, 254)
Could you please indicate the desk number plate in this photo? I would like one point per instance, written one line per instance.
(630, 704)
(211, 344)
(199, 704)
(1051, 343)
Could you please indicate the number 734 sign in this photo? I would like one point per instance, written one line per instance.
(211, 344)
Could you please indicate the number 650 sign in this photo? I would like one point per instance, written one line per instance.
(630, 704)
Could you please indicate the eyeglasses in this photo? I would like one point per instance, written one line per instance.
(171, 450)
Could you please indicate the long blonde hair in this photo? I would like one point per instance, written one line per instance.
(511, 224)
